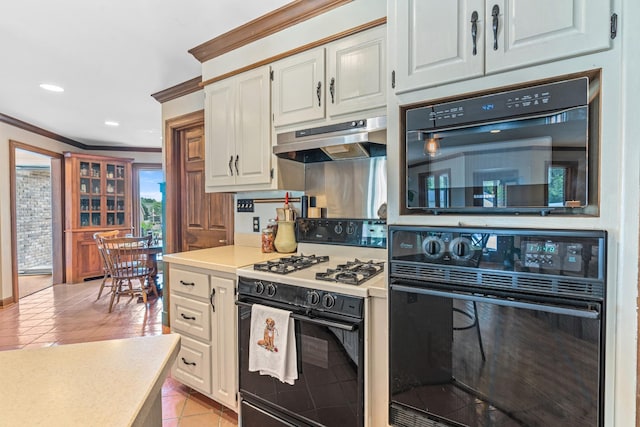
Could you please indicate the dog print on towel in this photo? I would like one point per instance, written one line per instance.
(269, 339)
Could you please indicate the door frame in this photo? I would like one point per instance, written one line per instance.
(57, 212)
(173, 163)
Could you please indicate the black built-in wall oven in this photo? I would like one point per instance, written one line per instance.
(496, 327)
(532, 149)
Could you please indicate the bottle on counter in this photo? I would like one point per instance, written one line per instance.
(268, 238)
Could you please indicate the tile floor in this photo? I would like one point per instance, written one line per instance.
(66, 314)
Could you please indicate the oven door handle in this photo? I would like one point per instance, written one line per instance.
(322, 322)
(587, 314)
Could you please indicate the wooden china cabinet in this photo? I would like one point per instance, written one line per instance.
(97, 198)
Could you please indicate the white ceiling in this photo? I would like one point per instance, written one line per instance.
(109, 56)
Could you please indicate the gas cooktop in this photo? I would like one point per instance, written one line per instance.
(290, 264)
(353, 272)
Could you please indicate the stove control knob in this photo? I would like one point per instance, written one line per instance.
(351, 228)
(328, 300)
(338, 228)
(313, 298)
(460, 248)
(271, 289)
(259, 288)
(433, 247)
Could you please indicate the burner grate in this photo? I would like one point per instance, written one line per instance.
(352, 273)
(290, 264)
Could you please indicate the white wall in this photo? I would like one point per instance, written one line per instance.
(8, 132)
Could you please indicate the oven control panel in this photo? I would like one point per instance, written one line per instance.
(298, 298)
(555, 252)
(339, 231)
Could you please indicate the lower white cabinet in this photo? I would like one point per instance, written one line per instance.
(202, 310)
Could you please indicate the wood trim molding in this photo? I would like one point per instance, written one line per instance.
(57, 208)
(172, 166)
(270, 23)
(308, 46)
(182, 89)
(47, 134)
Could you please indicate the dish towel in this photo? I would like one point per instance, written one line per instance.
(272, 343)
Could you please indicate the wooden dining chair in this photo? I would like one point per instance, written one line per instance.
(107, 281)
(130, 266)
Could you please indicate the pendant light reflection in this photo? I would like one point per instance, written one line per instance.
(431, 145)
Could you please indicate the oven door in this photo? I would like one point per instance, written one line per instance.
(329, 390)
(466, 360)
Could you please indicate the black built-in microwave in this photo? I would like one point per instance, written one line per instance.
(530, 150)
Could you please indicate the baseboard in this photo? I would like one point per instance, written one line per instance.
(6, 302)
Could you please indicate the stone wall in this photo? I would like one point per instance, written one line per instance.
(33, 219)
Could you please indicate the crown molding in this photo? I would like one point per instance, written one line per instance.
(270, 23)
(182, 89)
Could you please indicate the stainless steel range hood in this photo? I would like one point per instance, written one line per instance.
(350, 140)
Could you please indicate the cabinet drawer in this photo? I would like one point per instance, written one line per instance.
(191, 317)
(193, 365)
(189, 282)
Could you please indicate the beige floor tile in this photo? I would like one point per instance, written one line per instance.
(201, 420)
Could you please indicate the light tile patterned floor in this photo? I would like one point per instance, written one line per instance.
(65, 314)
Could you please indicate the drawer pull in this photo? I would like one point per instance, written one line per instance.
(188, 363)
(187, 317)
(182, 282)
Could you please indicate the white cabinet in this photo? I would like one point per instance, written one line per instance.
(352, 81)
(439, 42)
(202, 311)
(238, 131)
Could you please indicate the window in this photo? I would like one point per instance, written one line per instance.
(435, 189)
(148, 200)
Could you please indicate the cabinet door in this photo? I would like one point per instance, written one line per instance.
(253, 128)
(536, 31)
(220, 133)
(356, 72)
(298, 88)
(434, 41)
(224, 342)
(193, 364)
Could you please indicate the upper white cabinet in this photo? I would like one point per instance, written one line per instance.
(298, 88)
(439, 42)
(353, 80)
(238, 131)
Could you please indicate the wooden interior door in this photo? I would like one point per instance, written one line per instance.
(207, 218)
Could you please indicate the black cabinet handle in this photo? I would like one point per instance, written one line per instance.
(182, 282)
(213, 307)
(319, 92)
(332, 90)
(495, 12)
(187, 317)
(188, 363)
(230, 161)
(236, 164)
(474, 32)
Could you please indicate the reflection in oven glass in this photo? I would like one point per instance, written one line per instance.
(328, 390)
(512, 367)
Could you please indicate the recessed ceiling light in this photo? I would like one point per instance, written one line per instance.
(111, 123)
(51, 87)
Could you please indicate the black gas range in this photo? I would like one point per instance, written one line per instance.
(324, 286)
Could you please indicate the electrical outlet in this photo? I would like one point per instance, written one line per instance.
(256, 224)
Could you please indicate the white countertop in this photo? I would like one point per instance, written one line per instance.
(102, 383)
(231, 259)
(223, 258)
